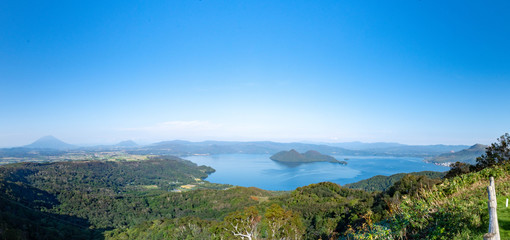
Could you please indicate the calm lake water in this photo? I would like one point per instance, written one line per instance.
(257, 170)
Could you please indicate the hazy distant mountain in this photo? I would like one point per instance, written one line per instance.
(397, 149)
(179, 147)
(467, 155)
(127, 143)
(50, 142)
(364, 146)
(183, 148)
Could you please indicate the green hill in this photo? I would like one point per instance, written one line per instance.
(382, 183)
(317, 211)
(74, 198)
(454, 209)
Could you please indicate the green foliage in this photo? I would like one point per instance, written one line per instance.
(458, 168)
(454, 209)
(283, 224)
(410, 185)
(503, 211)
(382, 183)
(496, 153)
(97, 195)
(327, 208)
(312, 212)
(243, 224)
(181, 228)
(375, 232)
(18, 221)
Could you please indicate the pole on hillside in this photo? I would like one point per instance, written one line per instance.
(493, 213)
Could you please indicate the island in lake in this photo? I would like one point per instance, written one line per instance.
(293, 156)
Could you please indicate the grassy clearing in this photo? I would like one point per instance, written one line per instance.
(503, 192)
(503, 217)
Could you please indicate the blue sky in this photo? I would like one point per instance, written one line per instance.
(415, 72)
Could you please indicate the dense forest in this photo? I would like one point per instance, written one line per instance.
(382, 183)
(166, 197)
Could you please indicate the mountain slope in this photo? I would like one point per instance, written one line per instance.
(453, 209)
(467, 155)
(50, 142)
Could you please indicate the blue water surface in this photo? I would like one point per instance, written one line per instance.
(257, 170)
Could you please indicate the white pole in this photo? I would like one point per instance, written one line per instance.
(493, 232)
(507, 202)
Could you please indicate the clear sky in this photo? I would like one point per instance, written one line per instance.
(415, 72)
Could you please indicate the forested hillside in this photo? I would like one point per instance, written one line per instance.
(166, 197)
(382, 183)
(316, 211)
(455, 208)
(70, 197)
(88, 200)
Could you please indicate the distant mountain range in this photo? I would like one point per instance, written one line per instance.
(365, 146)
(220, 147)
(467, 155)
(53, 143)
(179, 147)
(183, 148)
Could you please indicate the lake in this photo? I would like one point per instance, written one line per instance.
(257, 170)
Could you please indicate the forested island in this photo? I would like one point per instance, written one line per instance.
(293, 156)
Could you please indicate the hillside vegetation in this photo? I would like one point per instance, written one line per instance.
(413, 208)
(383, 183)
(70, 197)
(456, 208)
(167, 198)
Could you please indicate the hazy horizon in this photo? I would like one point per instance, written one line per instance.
(412, 72)
(141, 142)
